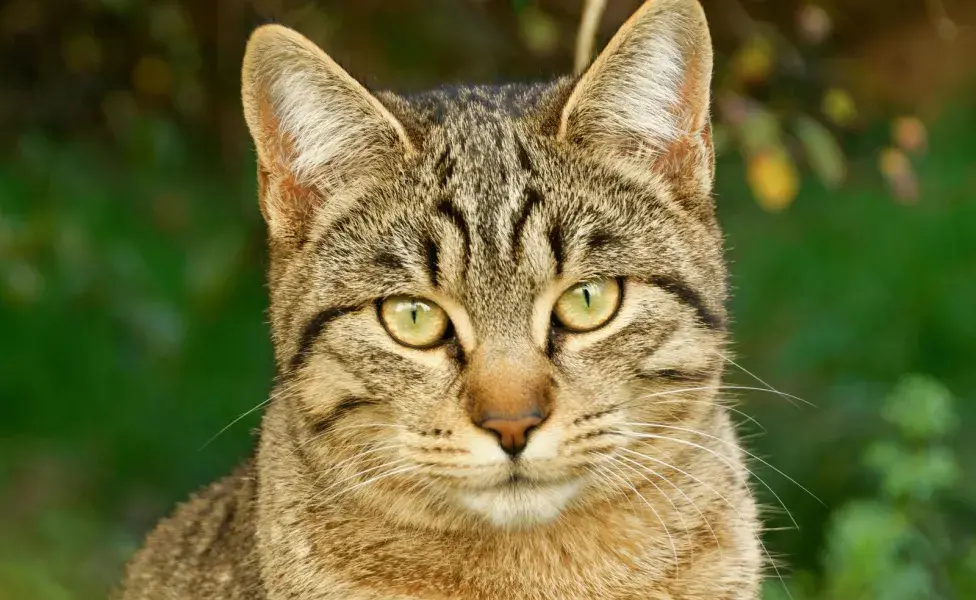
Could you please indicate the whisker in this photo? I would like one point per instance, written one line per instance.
(718, 544)
(275, 394)
(315, 437)
(757, 378)
(684, 523)
(720, 388)
(617, 459)
(357, 474)
(365, 425)
(724, 458)
(320, 435)
(400, 471)
(733, 445)
(607, 484)
(724, 499)
(243, 415)
(674, 550)
(418, 487)
(337, 466)
(725, 406)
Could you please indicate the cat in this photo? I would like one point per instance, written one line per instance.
(498, 315)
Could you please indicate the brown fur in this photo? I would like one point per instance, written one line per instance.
(371, 480)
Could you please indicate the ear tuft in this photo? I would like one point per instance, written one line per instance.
(645, 98)
(314, 126)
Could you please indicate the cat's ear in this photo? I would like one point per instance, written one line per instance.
(645, 99)
(315, 127)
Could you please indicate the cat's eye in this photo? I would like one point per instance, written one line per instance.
(414, 322)
(588, 305)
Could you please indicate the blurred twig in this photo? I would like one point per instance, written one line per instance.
(944, 25)
(586, 37)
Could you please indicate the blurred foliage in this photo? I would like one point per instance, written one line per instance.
(98, 66)
(901, 543)
(132, 323)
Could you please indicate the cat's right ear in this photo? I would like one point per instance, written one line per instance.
(315, 128)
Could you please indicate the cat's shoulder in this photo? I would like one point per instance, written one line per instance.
(204, 549)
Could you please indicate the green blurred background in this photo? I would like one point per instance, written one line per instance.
(132, 301)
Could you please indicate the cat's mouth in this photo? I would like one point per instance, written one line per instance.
(515, 477)
(518, 501)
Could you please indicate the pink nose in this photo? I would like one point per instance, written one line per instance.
(512, 432)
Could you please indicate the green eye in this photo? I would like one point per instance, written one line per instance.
(588, 305)
(414, 322)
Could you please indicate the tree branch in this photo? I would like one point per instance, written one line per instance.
(586, 37)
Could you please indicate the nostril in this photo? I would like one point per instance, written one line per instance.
(512, 432)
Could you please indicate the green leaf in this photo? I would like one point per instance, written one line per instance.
(919, 474)
(921, 408)
(538, 30)
(760, 131)
(823, 152)
(864, 544)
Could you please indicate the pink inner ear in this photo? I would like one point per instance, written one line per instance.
(690, 150)
(283, 199)
(693, 96)
(274, 147)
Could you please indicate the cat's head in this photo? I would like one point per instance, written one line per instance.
(479, 295)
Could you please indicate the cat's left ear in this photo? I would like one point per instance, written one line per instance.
(644, 101)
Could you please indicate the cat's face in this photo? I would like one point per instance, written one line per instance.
(480, 300)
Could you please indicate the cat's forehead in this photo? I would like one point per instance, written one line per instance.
(483, 145)
(448, 105)
(492, 208)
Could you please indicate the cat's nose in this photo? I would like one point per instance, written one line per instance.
(509, 396)
(512, 431)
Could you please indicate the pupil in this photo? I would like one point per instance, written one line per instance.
(586, 296)
(413, 314)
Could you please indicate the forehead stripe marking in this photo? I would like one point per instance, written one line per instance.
(524, 161)
(532, 198)
(431, 253)
(447, 209)
(556, 245)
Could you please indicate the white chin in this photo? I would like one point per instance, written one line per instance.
(519, 506)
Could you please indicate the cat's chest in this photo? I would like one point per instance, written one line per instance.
(448, 572)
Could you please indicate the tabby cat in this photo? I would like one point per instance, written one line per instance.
(499, 326)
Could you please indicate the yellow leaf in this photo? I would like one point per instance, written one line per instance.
(893, 162)
(774, 179)
(823, 152)
(753, 63)
(760, 131)
(909, 133)
(899, 174)
(839, 106)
